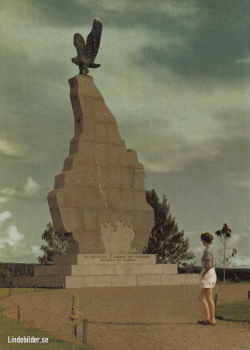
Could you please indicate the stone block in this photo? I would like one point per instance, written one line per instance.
(124, 281)
(104, 212)
(101, 177)
(140, 200)
(88, 176)
(169, 268)
(91, 240)
(115, 259)
(148, 259)
(127, 269)
(101, 269)
(129, 159)
(128, 178)
(59, 181)
(57, 218)
(69, 197)
(172, 279)
(114, 198)
(70, 219)
(87, 198)
(114, 136)
(115, 154)
(128, 199)
(75, 282)
(149, 280)
(74, 146)
(191, 279)
(73, 177)
(52, 199)
(86, 153)
(101, 133)
(139, 177)
(89, 220)
(114, 176)
(102, 113)
(91, 259)
(87, 104)
(68, 163)
(150, 269)
(80, 270)
(88, 130)
(98, 281)
(101, 154)
(84, 87)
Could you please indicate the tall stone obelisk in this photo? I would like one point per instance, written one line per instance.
(99, 200)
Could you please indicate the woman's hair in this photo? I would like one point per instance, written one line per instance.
(207, 237)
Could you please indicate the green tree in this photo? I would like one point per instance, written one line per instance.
(165, 240)
(225, 251)
(55, 245)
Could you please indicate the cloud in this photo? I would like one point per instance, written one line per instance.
(4, 216)
(7, 148)
(13, 236)
(241, 262)
(3, 200)
(205, 47)
(244, 60)
(36, 250)
(31, 187)
(8, 191)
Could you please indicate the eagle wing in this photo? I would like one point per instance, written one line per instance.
(93, 41)
(79, 44)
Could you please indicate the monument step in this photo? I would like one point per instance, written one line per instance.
(130, 280)
(98, 269)
(104, 281)
(108, 259)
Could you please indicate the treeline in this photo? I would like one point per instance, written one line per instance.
(18, 269)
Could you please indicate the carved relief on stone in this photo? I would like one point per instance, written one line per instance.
(118, 238)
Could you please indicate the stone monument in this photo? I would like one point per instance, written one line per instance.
(98, 202)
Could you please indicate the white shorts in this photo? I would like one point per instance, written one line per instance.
(209, 280)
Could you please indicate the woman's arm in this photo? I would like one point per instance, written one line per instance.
(207, 267)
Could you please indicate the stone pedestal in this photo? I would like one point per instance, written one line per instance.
(106, 270)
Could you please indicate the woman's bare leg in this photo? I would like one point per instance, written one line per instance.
(208, 292)
(204, 303)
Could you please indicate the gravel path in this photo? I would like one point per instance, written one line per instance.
(136, 318)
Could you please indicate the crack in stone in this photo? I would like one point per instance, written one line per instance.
(100, 185)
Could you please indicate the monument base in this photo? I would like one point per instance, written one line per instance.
(104, 270)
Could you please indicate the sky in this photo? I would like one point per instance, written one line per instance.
(176, 78)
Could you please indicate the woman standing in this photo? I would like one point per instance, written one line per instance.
(208, 279)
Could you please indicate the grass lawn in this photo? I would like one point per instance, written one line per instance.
(13, 328)
(237, 311)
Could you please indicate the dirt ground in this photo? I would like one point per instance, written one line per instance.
(136, 318)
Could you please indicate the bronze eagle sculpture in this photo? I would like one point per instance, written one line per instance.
(86, 53)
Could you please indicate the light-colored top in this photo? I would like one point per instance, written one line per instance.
(209, 254)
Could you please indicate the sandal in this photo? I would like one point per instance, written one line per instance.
(209, 323)
(203, 322)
